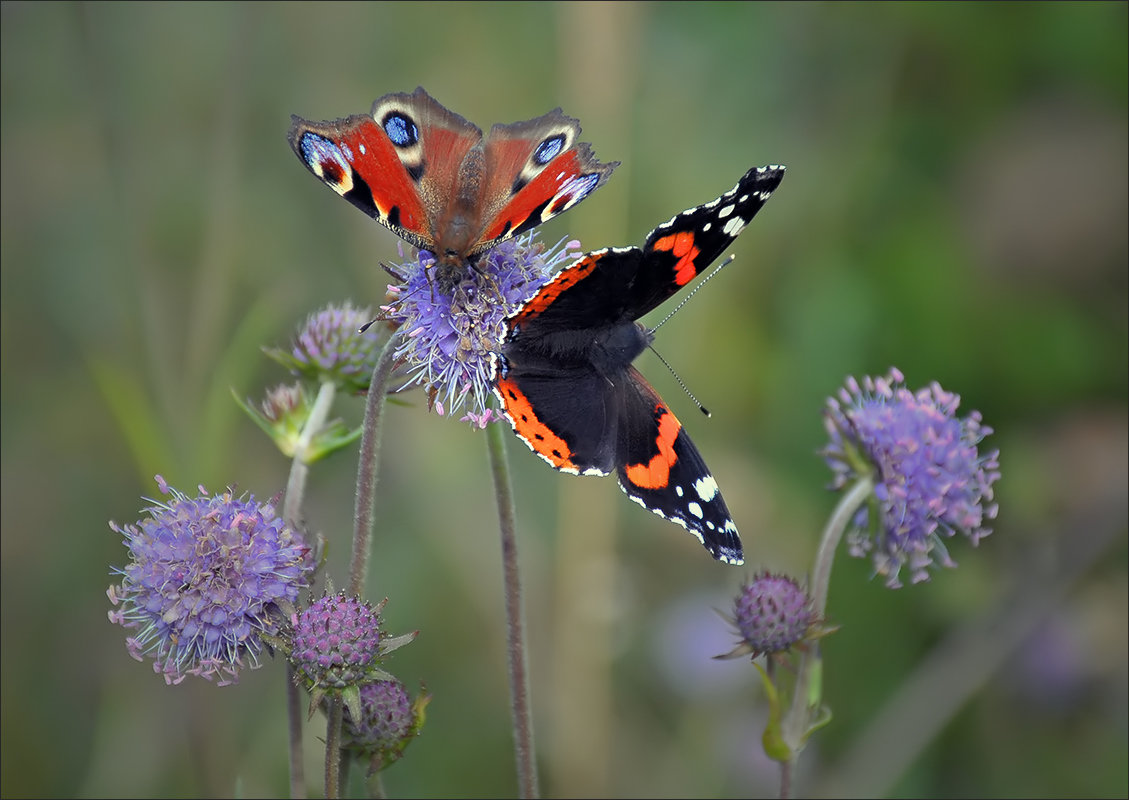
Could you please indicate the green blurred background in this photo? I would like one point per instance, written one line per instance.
(955, 205)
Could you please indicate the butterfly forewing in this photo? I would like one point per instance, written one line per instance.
(679, 250)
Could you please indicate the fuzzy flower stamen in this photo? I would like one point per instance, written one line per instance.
(446, 340)
(209, 577)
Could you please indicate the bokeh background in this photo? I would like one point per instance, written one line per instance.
(955, 205)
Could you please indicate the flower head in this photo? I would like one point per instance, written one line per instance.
(388, 721)
(446, 340)
(931, 480)
(331, 347)
(772, 614)
(335, 641)
(336, 645)
(208, 577)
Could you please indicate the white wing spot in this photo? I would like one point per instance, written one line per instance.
(364, 149)
(706, 487)
(706, 227)
(734, 226)
(725, 212)
(695, 509)
(678, 490)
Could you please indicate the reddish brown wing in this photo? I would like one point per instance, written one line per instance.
(427, 174)
(400, 164)
(534, 171)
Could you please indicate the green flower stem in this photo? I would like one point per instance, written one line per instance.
(518, 664)
(368, 464)
(292, 514)
(299, 468)
(829, 543)
(374, 785)
(805, 712)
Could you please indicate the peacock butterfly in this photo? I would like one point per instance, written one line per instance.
(432, 178)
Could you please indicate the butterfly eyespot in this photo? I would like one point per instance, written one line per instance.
(548, 149)
(573, 192)
(400, 129)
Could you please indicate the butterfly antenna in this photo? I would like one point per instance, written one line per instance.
(681, 383)
(686, 299)
(383, 315)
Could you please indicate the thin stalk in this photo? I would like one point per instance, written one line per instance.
(515, 626)
(294, 723)
(807, 690)
(368, 465)
(333, 747)
(299, 467)
(292, 514)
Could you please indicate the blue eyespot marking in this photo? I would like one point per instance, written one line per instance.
(400, 129)
(548, 149)
(324, 158)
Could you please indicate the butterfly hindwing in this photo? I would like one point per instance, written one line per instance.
(573, 430)
(534, 171)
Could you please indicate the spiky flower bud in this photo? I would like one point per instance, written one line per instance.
(335, 641)
(772, 614)
(331, 347)
(388, 721)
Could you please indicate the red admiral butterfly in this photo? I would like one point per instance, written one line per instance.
(564, 374)
(430, 176)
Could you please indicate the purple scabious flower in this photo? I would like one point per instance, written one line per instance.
(772, 614)
(389, 720)
(208, 577)
(331, 347)
(931, 480)
(446, 340)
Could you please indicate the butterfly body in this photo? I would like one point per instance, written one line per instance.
(432, 178)
(564, 373)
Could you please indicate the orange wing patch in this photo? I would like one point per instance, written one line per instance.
(681, 246)
(536, 434)
(655, 474)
